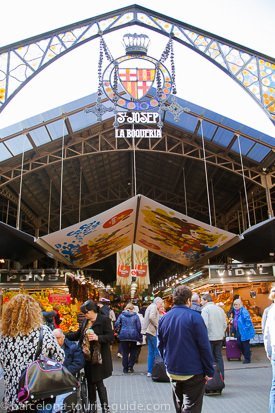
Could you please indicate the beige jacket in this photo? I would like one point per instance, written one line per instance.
(215, 321)
(151, 320)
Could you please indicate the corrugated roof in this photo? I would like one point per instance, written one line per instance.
(48, 126)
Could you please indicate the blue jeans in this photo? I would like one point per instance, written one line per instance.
(272, 390)
(152, 351)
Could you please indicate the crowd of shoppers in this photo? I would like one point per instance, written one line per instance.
(194, 328)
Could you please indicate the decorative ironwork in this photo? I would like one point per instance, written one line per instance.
(136, 73)
(136, 44)
(99, 109)
(21, 61)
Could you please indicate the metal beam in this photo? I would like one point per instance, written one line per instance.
(93, 144)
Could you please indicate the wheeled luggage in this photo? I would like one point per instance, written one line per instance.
(215, 385)
(159, 370)
(232, 349)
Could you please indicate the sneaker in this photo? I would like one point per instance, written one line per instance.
(119, 355)
(246, 362)
(149, 374)
(125, 370)
(130, 370)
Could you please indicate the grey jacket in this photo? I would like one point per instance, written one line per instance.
(151, 320)
(215, 321)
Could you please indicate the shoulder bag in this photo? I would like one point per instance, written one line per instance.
(45, 378)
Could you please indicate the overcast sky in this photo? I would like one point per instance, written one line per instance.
(247, 22)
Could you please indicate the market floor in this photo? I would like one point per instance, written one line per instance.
(246, 391)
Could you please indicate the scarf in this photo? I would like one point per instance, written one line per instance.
(235, 320)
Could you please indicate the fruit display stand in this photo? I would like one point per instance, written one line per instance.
(53, 299)
(54, 289)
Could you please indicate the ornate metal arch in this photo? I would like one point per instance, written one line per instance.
(21, 61)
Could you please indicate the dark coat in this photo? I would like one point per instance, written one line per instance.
(129, 327)
(182, 332)
(74, 358)
(103, 328)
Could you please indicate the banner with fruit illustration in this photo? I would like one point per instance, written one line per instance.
(176, 236)
(95, 238)
(142, 221)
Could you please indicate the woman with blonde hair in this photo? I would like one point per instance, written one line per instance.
(129, 327)
(19, 338)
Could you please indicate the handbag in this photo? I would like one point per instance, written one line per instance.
(96, 357)
(44, 378)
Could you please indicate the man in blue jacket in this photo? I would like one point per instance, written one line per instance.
(185, 349)
(74, 358)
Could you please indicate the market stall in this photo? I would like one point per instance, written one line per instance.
(252, 282)
(54, 289)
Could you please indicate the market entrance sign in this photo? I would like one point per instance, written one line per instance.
(141, 86)
(138, 118)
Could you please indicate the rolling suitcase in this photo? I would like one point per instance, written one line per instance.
(232, 349)
(216, 384)
(159, 370)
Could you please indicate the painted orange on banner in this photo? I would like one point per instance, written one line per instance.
(117, 218)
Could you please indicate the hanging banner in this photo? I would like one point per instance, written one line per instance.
(95, 238)
(138, 257)
(176, 236)
(142, 221)
(124, 262)
(141, 266)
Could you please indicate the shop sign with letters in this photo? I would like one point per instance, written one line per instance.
(245, 271)
(32, 277)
